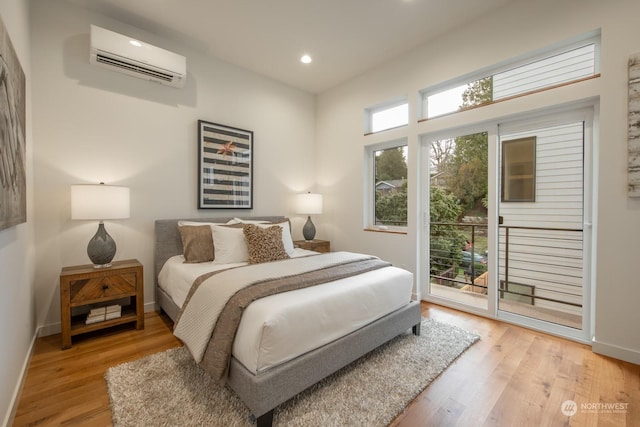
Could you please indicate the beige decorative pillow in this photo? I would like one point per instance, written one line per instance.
(287, 241)
(264, 244)
(197, 243)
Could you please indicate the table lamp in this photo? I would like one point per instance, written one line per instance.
(100, 202)
(309, 204)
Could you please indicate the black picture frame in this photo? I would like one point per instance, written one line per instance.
(225, 167)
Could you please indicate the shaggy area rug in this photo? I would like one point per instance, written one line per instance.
(169, 389)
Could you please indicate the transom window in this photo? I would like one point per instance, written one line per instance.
(570, 63)
(387, 116)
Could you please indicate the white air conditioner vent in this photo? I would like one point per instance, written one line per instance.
(102, 59)
(135, 58)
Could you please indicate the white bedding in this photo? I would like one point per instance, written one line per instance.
(280, 327)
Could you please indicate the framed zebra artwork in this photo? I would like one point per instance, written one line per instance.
(225, 167)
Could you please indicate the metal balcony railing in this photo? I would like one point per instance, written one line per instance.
(455, 257)
(543, 265)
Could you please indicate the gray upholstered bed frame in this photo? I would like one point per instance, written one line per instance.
(263, 392)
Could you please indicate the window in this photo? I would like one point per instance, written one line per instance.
(519, 170)
(570, 63)
(387, 116)
(388, 175)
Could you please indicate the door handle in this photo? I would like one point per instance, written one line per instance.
(500, 220)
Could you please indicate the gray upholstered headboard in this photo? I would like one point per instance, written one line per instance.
(168, 242)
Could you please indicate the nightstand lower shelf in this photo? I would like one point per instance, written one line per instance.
(79, 326)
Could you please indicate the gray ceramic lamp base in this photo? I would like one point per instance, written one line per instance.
(101, 248)
(309, 230)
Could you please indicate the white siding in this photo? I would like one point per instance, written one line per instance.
(559, 183)
(549, 260)
(558, 69)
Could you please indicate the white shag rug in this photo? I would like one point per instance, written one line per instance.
(170, 389)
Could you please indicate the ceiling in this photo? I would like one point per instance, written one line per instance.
(344, 37)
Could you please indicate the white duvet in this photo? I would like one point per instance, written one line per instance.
(280, 327)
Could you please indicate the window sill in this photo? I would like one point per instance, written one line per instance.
(385, 230)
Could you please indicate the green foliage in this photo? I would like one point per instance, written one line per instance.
(446, 241)
(468, 169)
(478, 93)
(391, 164)
(443, 206)
(391, 207)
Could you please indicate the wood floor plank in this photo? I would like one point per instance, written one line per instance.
(512, 376)
(67, 387)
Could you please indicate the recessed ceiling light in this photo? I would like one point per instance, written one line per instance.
(306, 59)
(136, 43)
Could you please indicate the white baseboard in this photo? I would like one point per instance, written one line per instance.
(617, 352)
(13, 405)
(51, 329)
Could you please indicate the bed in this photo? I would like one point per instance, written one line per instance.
(263, 382)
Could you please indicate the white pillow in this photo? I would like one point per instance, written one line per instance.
(246, 221)
(181, 223)
(287, 241)
(229, 245)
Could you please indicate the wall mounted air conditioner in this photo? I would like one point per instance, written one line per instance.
(135, 58)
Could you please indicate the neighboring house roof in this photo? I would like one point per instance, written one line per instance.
(390, 184)
(439, 179)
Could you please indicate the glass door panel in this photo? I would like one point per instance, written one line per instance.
(458, 231)
(540, 235)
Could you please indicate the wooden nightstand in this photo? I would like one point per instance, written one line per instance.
(83, 285)
(313, 245)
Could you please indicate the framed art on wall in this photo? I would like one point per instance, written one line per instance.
(633, 157)
(225, 167)
(13, 181)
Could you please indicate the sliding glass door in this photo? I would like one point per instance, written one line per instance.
(507, 224)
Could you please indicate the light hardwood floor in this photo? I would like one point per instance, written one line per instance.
(511, 377)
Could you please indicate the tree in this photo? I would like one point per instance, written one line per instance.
(391, 164)
(446, 240)
(478, 93)
(465, 159)
(391, 207)
(468, 169)
(441, 152)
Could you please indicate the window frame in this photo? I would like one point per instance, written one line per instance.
(505, 192)
(369, 217)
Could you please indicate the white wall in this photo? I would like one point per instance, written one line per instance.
(17, 258)
(520, 27)
(92, 125)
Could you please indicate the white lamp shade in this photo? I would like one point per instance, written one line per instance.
(98, 202)
(309, 203)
